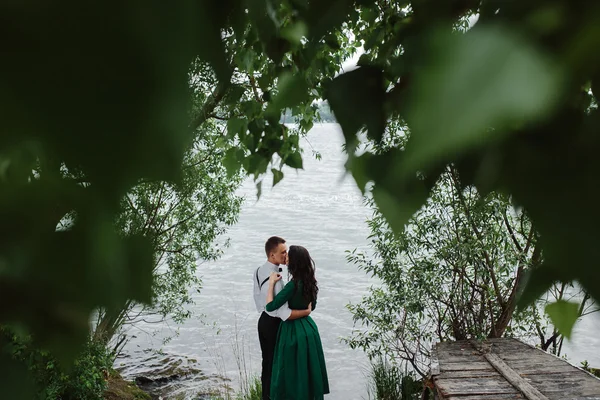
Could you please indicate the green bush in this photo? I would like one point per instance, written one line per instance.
(84, 380)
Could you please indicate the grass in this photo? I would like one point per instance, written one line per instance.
(388, 382)
(586, 367)
(252, 391)
(250, 387)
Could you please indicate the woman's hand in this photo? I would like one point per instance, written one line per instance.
(274, 277)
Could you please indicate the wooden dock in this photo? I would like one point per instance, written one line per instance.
(499, 369)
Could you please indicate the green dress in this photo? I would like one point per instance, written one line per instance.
(299, 371)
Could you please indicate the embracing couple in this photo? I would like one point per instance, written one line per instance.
(293, 365)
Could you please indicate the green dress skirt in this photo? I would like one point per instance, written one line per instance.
(299, 371)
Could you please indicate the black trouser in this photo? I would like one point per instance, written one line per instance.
(267, 335)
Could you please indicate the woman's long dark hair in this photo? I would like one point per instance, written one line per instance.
(302, 268)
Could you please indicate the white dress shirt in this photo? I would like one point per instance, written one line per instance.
(261, 288)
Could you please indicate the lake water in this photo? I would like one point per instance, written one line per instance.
(322, 209)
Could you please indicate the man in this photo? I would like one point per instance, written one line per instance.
(268, 323)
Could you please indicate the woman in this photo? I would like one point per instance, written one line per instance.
(299, 371)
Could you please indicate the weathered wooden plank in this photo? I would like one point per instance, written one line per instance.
(572, 384)
(470, 373)
(530, 392)
(465, 366)
(550, 371)
(535, 360)
(525, 354)
(568, 393)
(473, 386)
(487, 397)
(525, 367)
(538, 368)
(459, 356)
(583, 398)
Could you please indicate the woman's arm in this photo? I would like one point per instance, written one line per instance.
(274, 302)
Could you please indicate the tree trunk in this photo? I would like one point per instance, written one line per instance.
(509, 307)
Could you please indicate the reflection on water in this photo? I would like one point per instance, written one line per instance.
(321, 209)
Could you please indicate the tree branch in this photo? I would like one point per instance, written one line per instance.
(209, 105)
(486, 256)
(254, 89)
(215, 116)
(511, 232)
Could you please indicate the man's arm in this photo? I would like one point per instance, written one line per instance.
(300, 313)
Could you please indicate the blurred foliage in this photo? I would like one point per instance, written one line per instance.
(86, 379)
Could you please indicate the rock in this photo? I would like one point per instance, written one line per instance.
(120, 389)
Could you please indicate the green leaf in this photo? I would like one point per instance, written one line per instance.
(324, 16)
(398, 205)
(248, 58)
(397, 196)
(251, 108)
(563, 315)
(257, 164)
(536, 282)
(277, 176)
(264, 81)
(231, 161)
(294, 160)
(357, 98)
(234, 94)
(210, 21)
(471, 89)
(266, 26)
(236, 126)
(292, 90)
(369, 14)
(332, 41)
(358, 166)
(258, 190)
(294, 32)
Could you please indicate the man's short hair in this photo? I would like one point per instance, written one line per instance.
(272, 244)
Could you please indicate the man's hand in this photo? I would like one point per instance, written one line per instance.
(296, 314)
(309, 309)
